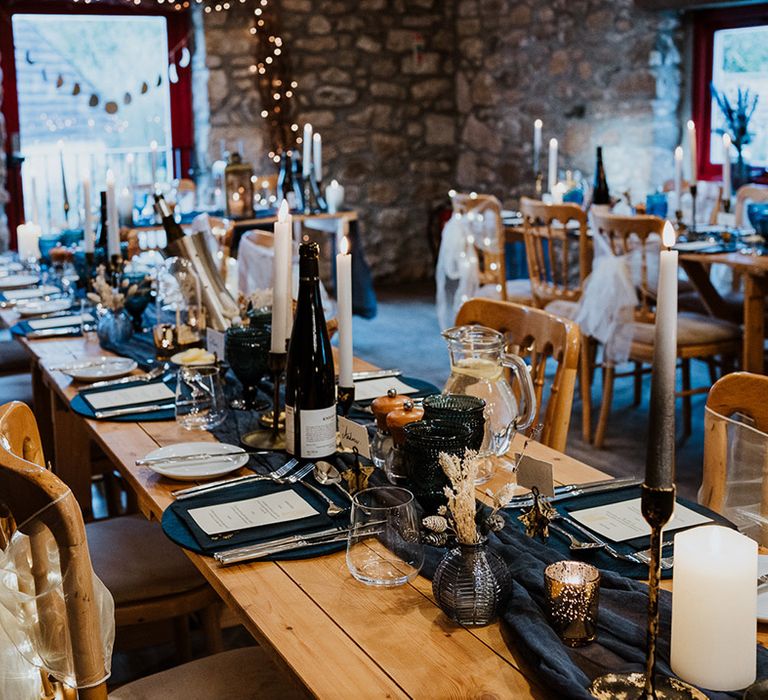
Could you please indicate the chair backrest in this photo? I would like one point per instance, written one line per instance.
(629, 233)
(36, 497)
(743, 395)
(489, 247)
(556, 267)
(746, 194)
(536, 335)
(708, 198)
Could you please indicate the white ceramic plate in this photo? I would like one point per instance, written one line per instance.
(762, 591)
(33, 307)
(18, 281)
(177, 359)
(107, 368)
(204, 469)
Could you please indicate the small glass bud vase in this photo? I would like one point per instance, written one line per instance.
(472, 584)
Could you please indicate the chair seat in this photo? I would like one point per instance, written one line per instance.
(518, 291)
(692, 329)
(563, 308)
(137, 562)
(16, 387)
(245, 674)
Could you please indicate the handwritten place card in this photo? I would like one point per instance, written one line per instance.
(352, 435)
(536, 472)
(624, 520)
(214, 342)
(280, 507)
(373, 388)
(60, 321)
(145, 394)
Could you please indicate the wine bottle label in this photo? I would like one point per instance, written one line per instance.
(318, 432)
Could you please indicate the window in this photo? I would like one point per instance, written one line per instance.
(92, 86)
(730, 52)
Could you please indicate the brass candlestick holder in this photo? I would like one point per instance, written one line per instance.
(693, 189)
(539, 183)
(345, 398)
(272, 438)
(657, 506)
(679, 225)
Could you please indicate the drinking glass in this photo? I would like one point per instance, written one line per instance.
(200, 402)
(572, 590)
(383, 548)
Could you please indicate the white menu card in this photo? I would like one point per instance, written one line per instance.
(146, 393)
(60, 321)
(280, 507)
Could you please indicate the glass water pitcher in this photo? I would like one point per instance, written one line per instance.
(478, 364)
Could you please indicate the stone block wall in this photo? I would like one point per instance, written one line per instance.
(597, 72)
(413, 97)
(4, 234)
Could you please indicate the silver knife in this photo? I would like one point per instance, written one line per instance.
(115, 412)
(58, 331)
(182, 494)
(571, 490)
(148, 377)
(225, 559)
(375, 374)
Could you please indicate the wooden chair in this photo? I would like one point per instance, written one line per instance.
(490, 250)
(698, 336)
(740, 393)
(708, 198)
(745, 195)
(27, 489)
(537, 335)
(149, 577)
(559, 259)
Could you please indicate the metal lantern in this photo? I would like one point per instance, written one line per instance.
(238, 188)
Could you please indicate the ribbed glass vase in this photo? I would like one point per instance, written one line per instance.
(472, 584)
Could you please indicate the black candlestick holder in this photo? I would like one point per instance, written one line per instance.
(727, 205)
(658, 505)
(345, 398)
(271, 438)
(679, 225)
(693, 189)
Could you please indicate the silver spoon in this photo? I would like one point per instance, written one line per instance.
(325, 473)
(575, 544)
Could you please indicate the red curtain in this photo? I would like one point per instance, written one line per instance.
(705, 24)
(182, 126)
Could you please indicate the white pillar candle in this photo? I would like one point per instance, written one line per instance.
(344, 304)
(28, 241)
(714, 608)
(34, 208)
(334, 196)
(125, 206)
(552, 179)
(692, 151)
(230, 280)
(678, 176)
(537, 126)
(306, 162)
(317, 153)
(280, 281)
(660, 455)
(558, 192)
(153, 162)
(727, 187)
(89, 240)
(113, 224)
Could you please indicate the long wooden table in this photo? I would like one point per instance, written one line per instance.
(339, 638)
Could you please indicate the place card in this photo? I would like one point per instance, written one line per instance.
(60, 321)
(536, 472)
(373, 388)
(280, 507)
(624, 520)
(214, 342)
(152, 393)
(353, 434)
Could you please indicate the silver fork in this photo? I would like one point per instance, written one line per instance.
(298, 476)
(611, 551)
(574, 543)
(181, 494)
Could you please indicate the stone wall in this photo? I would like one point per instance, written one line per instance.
(597, 72)
(4, 238)
(414, 97)
(376, 80)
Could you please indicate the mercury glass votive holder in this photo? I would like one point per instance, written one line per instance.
(572, 591)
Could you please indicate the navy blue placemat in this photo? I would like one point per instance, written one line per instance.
(598, 557)
(80, 406)
(22, 328)
(179, 526)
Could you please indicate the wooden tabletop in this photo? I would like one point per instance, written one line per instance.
(339, 637)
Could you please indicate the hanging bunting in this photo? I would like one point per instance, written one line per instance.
(127, 99)
(93, 101)
(186, 57)
(173, 74)
(76, 89)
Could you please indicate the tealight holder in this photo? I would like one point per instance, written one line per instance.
(572, 590)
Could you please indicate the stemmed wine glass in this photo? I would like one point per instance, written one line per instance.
(247, 349)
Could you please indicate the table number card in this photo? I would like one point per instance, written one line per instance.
(624, 520)
(214, 342)
(536, 472)
(280, 507)
(352, 435)
(145, 394)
